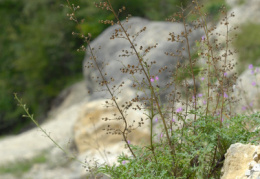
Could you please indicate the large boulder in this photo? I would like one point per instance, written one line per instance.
(155, 33)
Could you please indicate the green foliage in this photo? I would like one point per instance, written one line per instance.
(195, 153)
(159, 10)
(38, 57)
(241, 2)
(20, 167)
(248, 45)
(212, 8)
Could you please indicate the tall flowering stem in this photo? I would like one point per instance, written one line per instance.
(224, 95)
(190, 61)
(145, 73)
(105, 82)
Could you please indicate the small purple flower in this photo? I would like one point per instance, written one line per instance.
(202, 78)
(123, 162)
(250, 66)
(161, 135)
(156, 119)
(179, 110)
(173, 120)
(222, 120)
(200, 95)
(203, 38)
(225, 74)
(152, 80)
(243, 108)
(252, 72)
(253, 83)
(128, 141)
(204, 102)
(156, 78)
(225, 95)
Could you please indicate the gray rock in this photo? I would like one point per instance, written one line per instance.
(156, 32)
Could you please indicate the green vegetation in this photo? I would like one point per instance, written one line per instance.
(213, 7)
(38, 58)
(194, 154)
(20, 167)
(241, 2)
(247, 43)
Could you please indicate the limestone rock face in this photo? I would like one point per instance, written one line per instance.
(241, 162)
(92, 134)
(90, 129)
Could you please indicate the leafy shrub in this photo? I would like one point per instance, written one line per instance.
(196, 156)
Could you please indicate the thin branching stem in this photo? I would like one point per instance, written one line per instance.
(225, 61)
(190, 61)
(30, 116)
(145, 73)
(109, 90)
(114, 100)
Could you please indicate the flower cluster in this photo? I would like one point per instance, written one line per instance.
(153, 79)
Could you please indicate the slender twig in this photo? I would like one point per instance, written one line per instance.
(28, 115)
(145, 73)
(190, 61)
(113, 99)
(225, 60)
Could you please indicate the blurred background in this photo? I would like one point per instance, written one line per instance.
(38, 54)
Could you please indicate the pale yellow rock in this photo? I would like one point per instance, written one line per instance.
(91, 133)
(237, 159)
